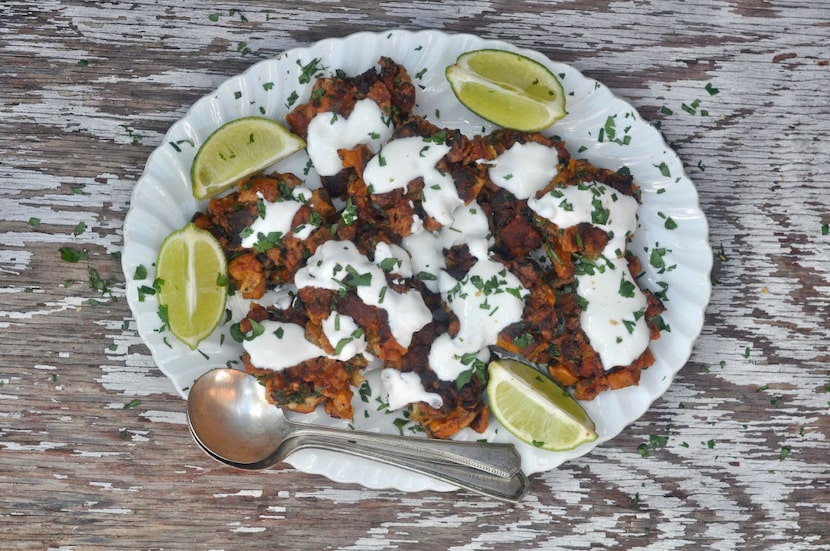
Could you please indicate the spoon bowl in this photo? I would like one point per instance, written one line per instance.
(231, 418)
(229, 414)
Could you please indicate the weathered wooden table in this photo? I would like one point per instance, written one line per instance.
(94, 449)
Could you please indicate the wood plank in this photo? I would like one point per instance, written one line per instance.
(94, 450)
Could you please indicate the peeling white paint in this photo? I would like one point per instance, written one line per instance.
(249, 529)
(95, 454)
(172, 417)
(14, 261)
(241, 493)
(109, 487)
(49, 308)
(39, 447)
(111, 511)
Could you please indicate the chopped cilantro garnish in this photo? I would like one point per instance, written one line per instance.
(140, 272)
(309, 70)
(73, 255)
(627, 288)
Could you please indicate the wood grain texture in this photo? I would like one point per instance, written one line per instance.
(94, 450)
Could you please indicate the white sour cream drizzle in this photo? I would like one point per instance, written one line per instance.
(283, 345)
(395, 257)
(487, 300)
(278, 218)
(614, 319)
(406, 388)
(483, 309)
(426, 248)
(525, 168)
(328, 132)
(481, 316)
(280, 346)
(344, 335)
(403, 160)
(338, 264)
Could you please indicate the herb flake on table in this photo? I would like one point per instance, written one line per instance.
(136, 138)
(654, 441)
(68, 254)
(99, 283)
(235, 11)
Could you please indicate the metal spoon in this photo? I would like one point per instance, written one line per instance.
(232, 420)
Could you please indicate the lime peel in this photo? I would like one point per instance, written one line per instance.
(238, 149)
(507, 89)
(190, 266)
(536, 409)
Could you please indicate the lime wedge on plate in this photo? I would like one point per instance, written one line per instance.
(507, 89)
(192, 272)
(535, 409)
(238, 149)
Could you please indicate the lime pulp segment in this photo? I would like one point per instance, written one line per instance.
(535, 409)
(192, 269)
(508, 89)
(238, 149)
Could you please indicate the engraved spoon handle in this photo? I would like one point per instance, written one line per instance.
(510, 489)
(495, 458)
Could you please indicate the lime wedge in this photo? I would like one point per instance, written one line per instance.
(192, 271)
(237, 149)
(507, 89)
(536, 409)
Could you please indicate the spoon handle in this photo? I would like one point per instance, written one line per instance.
(510, 488)
(495, 458)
